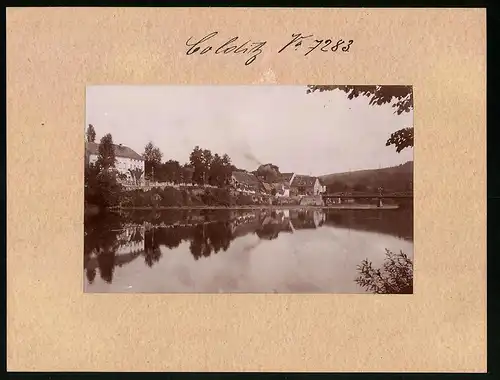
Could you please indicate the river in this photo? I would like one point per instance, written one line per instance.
(249, 251)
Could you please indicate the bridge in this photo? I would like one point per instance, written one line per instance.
(328, 198)
(367, 196)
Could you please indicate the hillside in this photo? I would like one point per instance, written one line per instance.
(396, 178)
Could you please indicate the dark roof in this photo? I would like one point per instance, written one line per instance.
(246, 178)
(120, 151)
(286, 176)
(303, 180)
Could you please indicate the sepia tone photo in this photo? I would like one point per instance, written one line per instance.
(249, 189)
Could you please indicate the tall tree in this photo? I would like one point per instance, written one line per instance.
(207, 163)
(196, 160)
(91, 133)
(401, 98)
(228, 168)
(216, 172)
(106, 158)
(152, 157)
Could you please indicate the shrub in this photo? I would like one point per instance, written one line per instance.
(244, 200)
(171, 197)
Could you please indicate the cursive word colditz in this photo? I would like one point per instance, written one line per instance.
(232, 46)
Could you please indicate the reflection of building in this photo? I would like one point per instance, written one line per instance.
(126, 158)
(131, 240)
(304, 219)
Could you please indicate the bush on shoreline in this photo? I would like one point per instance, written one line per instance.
(172, 197)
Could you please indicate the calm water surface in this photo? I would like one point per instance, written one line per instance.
(212, 251)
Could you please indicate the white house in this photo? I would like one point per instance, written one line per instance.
(126, 158)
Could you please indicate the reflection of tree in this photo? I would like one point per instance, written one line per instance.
(173, 236)
(91, 273)
(101, 239)
(210, 237)
(395, 276)
(152, 252)
(106, 260)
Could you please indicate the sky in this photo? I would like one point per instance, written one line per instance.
(312, 134)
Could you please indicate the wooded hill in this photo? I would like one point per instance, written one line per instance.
(395, 178)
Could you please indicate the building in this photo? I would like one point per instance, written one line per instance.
(282, 185)
(126, 158)
(323, 185)
(282, 189)
(305, 185)
(246, 182)
(287, 178)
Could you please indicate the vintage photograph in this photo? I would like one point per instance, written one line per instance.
(249, 189)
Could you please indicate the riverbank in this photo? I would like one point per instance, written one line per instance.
(266, 207)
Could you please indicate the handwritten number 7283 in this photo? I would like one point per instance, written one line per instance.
(300, 41)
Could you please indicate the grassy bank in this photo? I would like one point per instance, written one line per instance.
(190, 198)
(267, 207)
(170, 198)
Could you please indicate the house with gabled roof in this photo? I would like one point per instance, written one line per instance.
(245, 181)
(287, 178)
(305, 185)
(126, 158)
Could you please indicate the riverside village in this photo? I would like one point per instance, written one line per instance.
(291, 216)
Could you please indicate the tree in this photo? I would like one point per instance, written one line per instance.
(106, 158)
(207, 159)
(269, 172)
(187, 172)
(136, 174)
(227, 168)
(152, 157)
(101, 186)
(401, 98)
(395, 276)
(172, 171)
(91, 133)
(216, 174)
(196, 160)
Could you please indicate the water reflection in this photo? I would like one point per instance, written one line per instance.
(118, 240)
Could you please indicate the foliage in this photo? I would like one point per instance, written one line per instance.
(216, 197)
(106, 158)
(268, 172)
(152, 159)
(401, 139)
(210, 168)
(101, 186)
(401, 98)
(91, 133)
(101, 238)
(244, 200)
(136, 174)
(395, 276)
